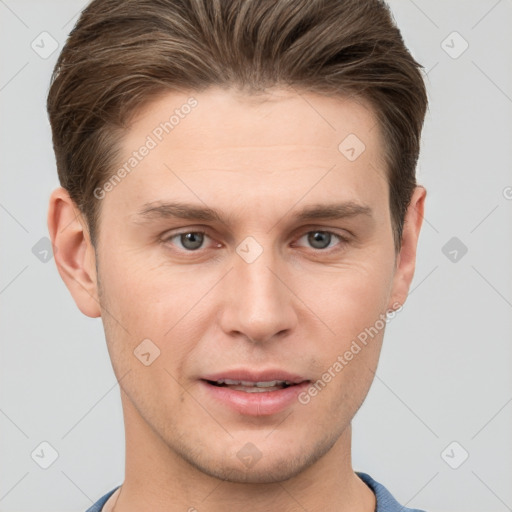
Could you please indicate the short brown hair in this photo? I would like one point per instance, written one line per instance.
(121, 54)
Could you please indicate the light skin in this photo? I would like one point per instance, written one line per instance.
(297, 307)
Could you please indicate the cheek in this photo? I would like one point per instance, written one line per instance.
(134, 288)
(348, 300)
(144, 302)
(146, 350)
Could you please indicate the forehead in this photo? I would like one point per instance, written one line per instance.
(224, 118)
(225, 145)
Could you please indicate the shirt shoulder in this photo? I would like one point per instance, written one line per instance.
(98, 506)
(385, 501)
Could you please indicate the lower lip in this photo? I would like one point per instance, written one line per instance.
(262, 403)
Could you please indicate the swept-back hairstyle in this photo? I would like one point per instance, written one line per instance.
(121, 54)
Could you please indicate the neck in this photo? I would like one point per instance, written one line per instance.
(159, 479)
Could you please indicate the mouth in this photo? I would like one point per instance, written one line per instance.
(253, 393)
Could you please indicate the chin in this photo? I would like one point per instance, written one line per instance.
(269, 473)
(271, 467)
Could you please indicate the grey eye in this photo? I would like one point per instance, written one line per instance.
(192, 240)
(319, 239)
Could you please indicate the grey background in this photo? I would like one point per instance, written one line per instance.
(444, 374)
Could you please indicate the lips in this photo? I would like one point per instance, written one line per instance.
(251, 392)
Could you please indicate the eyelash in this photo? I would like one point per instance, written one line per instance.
(343, 240)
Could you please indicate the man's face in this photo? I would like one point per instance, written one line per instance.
(261, 290)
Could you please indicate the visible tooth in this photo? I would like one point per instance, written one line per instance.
(256, 389)
(231, 382)
(261, 384)
(268, 384)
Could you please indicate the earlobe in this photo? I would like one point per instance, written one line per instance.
(74, 255)
(406, 259)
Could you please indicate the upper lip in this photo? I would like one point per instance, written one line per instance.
(249, 375)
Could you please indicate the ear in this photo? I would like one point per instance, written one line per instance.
(74, 255)
(406, 259)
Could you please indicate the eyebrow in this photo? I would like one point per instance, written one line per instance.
(159, 210)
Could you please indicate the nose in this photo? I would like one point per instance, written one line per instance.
(258, 304)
